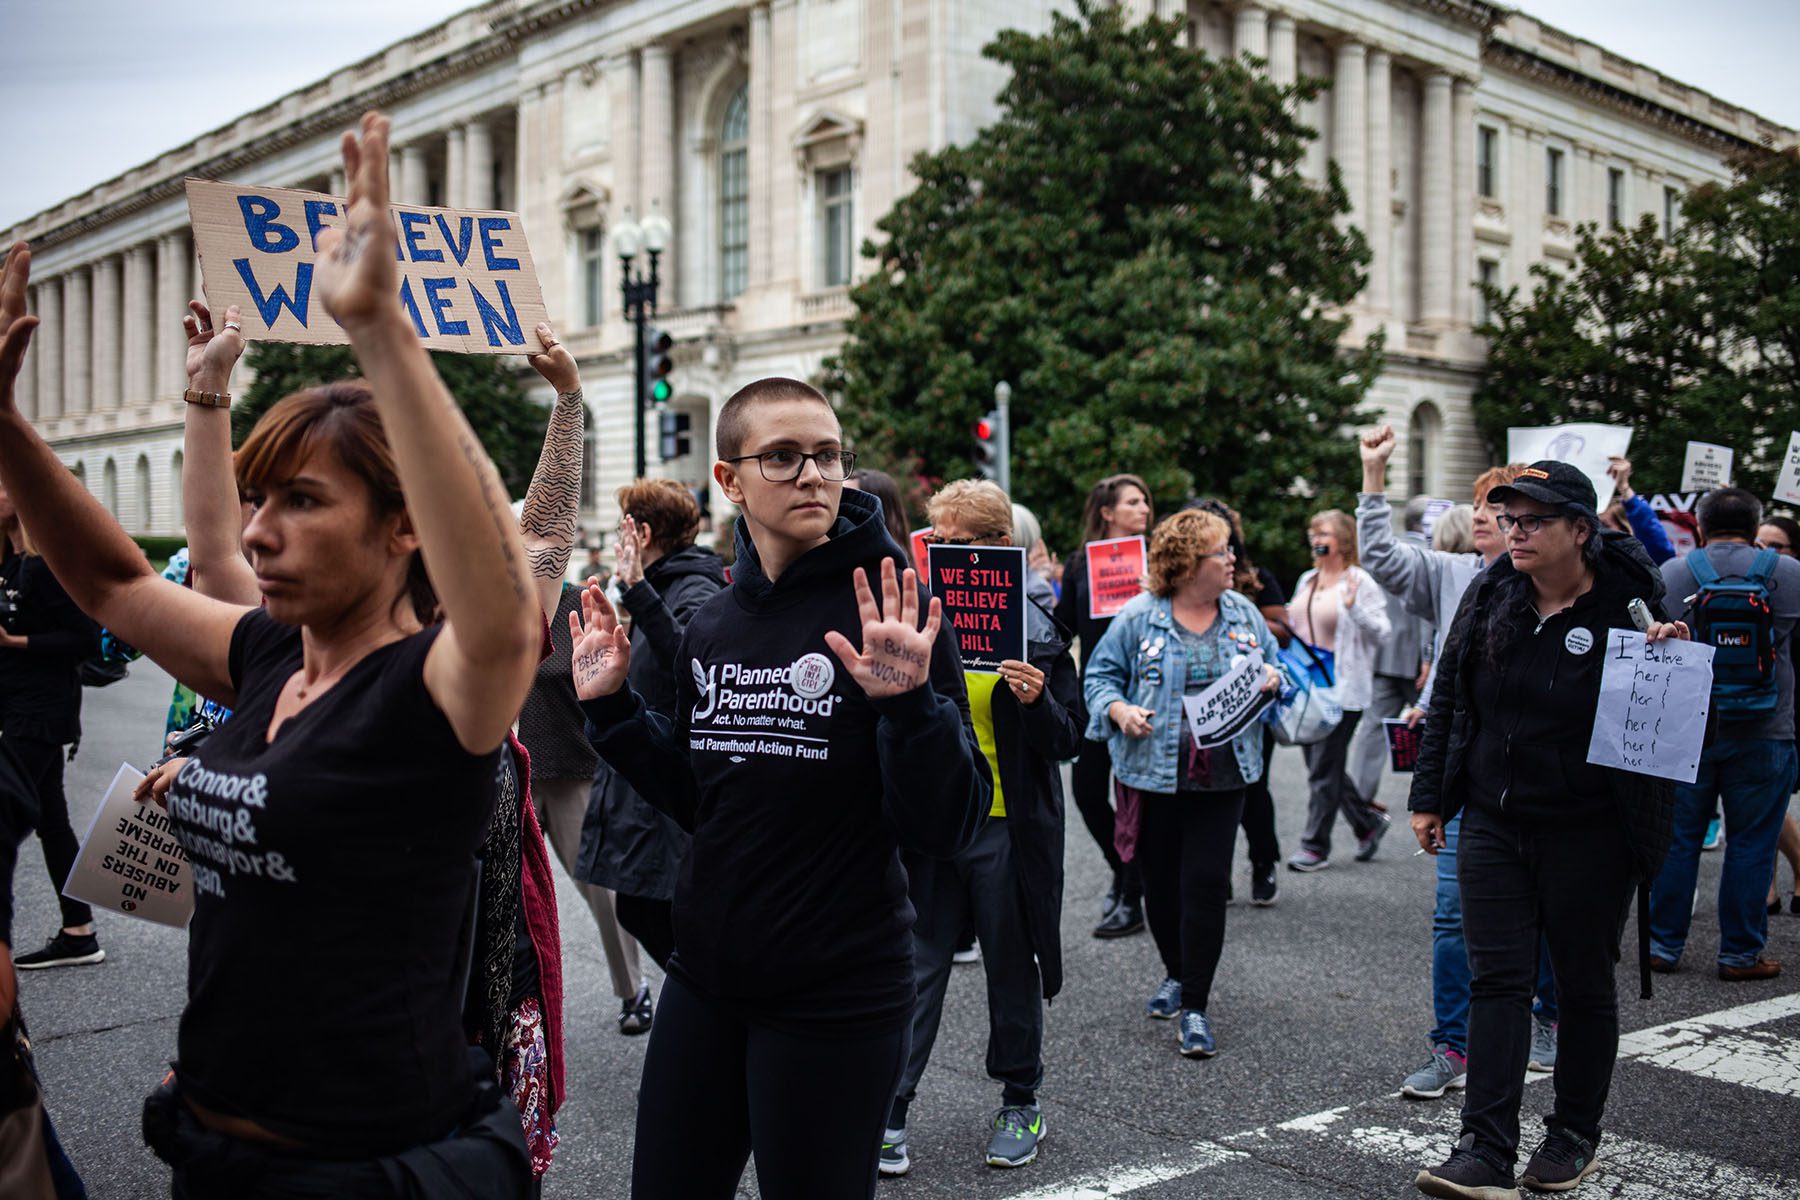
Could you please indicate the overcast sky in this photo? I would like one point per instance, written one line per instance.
(91, 88)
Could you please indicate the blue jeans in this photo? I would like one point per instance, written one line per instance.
(1450, 958)
(1751, 779)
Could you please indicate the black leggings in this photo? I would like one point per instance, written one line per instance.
(811, 1108)
(651, 922)
(1091, 781)
(43, 763)
(1185, 842)
(1259, 814)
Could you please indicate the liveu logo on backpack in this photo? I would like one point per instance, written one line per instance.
(1732, 614)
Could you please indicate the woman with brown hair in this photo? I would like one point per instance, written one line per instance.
(1117, 506)
(319, 1049)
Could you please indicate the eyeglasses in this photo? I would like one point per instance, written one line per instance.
(983, 539)
(1526, 523)
(784, 466)
(1225, 555)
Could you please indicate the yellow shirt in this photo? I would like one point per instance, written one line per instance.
(981, 687)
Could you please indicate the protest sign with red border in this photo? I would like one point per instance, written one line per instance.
(1115, 570)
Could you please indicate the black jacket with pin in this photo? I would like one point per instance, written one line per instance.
(40, 691)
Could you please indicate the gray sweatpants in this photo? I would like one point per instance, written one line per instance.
(1368, 746)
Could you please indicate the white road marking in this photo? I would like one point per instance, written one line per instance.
(1629, 1169)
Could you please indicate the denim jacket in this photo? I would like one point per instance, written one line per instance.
(1123, 667)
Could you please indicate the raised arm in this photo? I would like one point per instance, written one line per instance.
(209, 492)
(1409, 572)
(553, 500)
(480, 668)
(100, 567)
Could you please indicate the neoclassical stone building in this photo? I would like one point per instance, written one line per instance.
(773, 133)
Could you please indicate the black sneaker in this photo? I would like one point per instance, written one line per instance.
(1561, 1162)
(637, 1014)
(63, 950)
(1124, 920)
(1465, 1175)
(1262, 884)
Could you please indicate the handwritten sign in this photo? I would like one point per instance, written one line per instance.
(1787, 485)
(466, 278)
(920, 557)
(130, 861)
(1403, 743)
(1706, 466)
(1653, 705)
(982, 589)
(1587, 446)
(1228, 706)
(1115, 570)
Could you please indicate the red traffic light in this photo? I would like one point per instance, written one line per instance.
(984, 429)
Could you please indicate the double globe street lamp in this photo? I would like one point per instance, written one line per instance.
(639, 291)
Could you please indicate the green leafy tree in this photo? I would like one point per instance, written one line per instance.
(1132, 247)
(488, 388)
(1690, 339)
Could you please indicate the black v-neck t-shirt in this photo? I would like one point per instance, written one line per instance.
(334, 877)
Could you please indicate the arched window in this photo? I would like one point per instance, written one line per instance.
(109, 487)
(141, 475)
(175, 491)
(1424, 445)
(734, 195)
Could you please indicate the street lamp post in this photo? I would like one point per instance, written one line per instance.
(1003, 406)
(639, 292)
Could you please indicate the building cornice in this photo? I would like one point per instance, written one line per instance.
(547, 15)
(1476, 13)
(1506, 56)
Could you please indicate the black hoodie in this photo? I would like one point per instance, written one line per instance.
(792, 901)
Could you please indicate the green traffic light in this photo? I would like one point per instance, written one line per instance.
(661, 391)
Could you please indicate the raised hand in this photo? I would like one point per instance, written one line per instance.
(601, 648)
(15, 323)
(1376, 446)
(212, 353)
(896, 653)
(629, 555)
(355, 278)
(1620, 469)
(554, 362)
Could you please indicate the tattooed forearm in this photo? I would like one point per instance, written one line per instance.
(553, 500)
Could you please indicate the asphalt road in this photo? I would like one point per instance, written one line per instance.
(1321, 1008)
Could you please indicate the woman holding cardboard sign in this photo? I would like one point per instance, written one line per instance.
(1549, 841)
(357, 775)
(1189, 632)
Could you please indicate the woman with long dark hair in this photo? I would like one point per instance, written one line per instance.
(1117, 506)
(884, 488)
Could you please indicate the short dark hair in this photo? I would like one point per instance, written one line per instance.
(1729, 510)
(734, 418)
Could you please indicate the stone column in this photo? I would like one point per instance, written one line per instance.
(1251, 35)
(47, 344)
(138, 337)
(1349, 124)
(621, 72)
(656, 158)
(78, 362)
(107, 333)
(1436, 237)
(1380, 222)
(456, 170)
(172, 294)
(479, 153)
(1284, 50)
(761, 95)
(1462, 210)
(339, 183)
(411, 186)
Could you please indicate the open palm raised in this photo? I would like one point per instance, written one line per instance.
(601, 647)
(896, 653)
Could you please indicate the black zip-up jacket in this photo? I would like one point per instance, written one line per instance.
(1448, 757)
(40, 692)
(800, 790)
(1030, 740)
(1072, 607)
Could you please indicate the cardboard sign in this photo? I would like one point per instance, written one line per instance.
(1228, 706)
(1787, 485)
(1706, 466)
(130, 861)
(1676, 511)
(1403, 743)
(1653, 705)
(1584, 445)
(466, 279)
(920, 558)
(982, 589)
(1115, 571)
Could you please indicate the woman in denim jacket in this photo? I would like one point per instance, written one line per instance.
(1177, 640)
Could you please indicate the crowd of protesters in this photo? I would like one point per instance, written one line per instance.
(780, 783)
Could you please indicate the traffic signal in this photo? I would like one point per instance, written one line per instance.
(657, 366)
(673, 427)
(987, 446)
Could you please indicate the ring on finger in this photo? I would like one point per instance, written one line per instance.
(234, 325)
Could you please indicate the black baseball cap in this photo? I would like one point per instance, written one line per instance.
(1550, 482)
